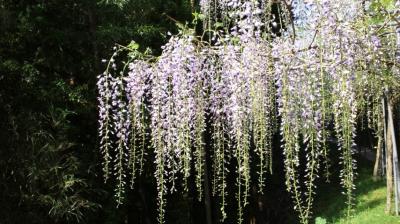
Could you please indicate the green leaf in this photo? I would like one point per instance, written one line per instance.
(133, 45)
(201, 16)
(388, 4)
(218, 25)
(320, 220)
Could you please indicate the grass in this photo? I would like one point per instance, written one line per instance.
(369, 206)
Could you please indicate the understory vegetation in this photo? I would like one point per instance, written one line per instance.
(370, 197)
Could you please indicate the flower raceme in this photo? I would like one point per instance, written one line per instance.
(242, 90)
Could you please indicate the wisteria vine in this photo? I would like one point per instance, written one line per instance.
(245, 87)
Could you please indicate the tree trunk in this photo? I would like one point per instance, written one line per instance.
(377, 166)
(395, 159)
(397, 6)
(389, 172)
(391, 135)
(92, 28)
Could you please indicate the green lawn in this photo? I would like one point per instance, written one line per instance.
(369, 206)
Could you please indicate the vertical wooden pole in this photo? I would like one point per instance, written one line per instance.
(389, 170)
(389, 174)
(390, 116)
(397, 6)
(377, 165)
(395, 159)
(397, 11)
(384, 145)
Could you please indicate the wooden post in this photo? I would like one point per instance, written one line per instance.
(377, 165)
(397, 6)
(384, 151)
(389, 172)
(390, 118)
(389, 155)
(395, 159)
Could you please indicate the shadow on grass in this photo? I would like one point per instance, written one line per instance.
(330, 203)
(368, 205)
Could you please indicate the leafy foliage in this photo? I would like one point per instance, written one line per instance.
(50, 53)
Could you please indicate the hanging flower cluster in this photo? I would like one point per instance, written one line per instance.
(138, 90)
(318, 83)
(237, 89)
(178, 114)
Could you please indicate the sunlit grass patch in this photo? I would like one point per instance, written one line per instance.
(369, 207)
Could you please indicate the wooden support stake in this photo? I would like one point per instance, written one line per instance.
(389, 171)
(395, 159)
